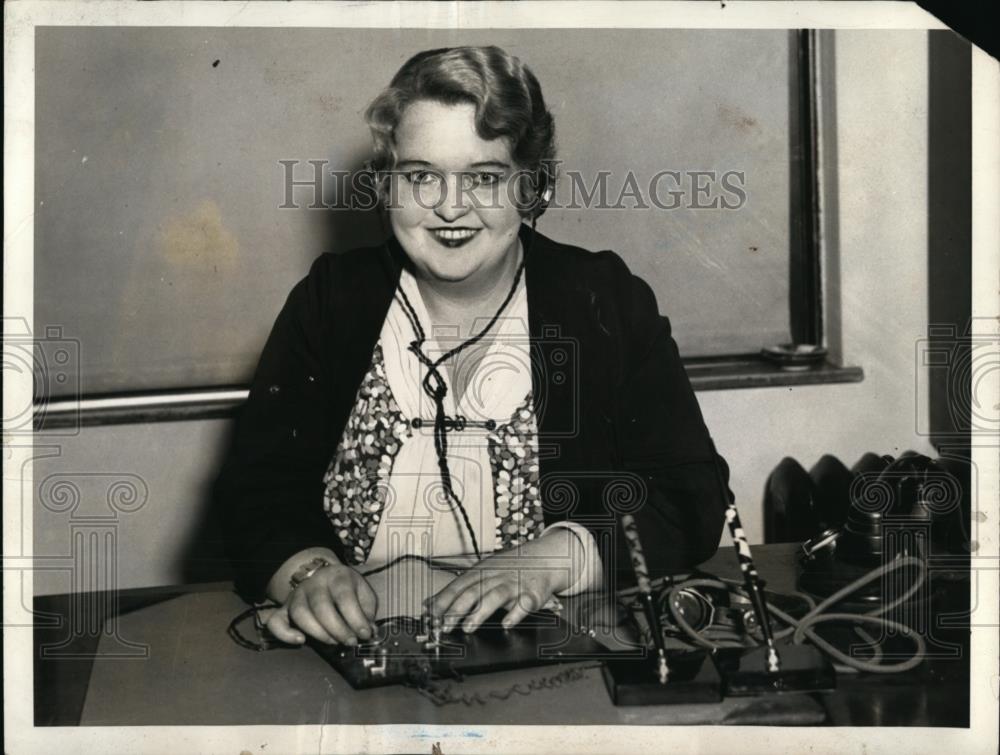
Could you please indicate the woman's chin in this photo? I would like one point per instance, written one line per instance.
(446, 266)
(449, 273)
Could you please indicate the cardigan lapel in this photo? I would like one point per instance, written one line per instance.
(366, 291)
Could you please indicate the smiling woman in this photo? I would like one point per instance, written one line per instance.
(468, 388)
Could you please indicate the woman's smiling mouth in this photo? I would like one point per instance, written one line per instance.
(453, 237)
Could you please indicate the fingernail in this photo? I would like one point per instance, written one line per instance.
(365, 633)
(352, 641)
(300, 638)
(469, 627)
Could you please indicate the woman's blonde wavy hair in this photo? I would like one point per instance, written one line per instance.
(508, 102)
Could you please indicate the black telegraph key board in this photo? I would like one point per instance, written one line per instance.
(404, 650)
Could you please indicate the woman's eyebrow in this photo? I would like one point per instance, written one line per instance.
(490, 164)
(412, 162)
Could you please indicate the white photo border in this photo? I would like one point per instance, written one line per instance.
(21, 19)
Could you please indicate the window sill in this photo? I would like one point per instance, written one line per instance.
(751, 371)
(706, 374)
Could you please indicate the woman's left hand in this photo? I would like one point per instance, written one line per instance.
(522, 580)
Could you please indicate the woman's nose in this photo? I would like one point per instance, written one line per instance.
(453, 203)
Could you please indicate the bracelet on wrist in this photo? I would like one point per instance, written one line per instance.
(307, 570)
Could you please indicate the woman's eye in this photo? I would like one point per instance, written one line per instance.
(420, 176)
(488, 179)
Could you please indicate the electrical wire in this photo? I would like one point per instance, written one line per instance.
(872, 643)
(875, 617)
(442, 694)
(436, 388)
(802, 629)
(432, 562)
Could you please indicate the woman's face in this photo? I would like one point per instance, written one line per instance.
(450, 207)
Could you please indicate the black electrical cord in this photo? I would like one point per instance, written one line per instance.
(435, 387)
(443, 693)
(431, 562)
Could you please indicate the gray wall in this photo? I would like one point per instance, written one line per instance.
(160, 247)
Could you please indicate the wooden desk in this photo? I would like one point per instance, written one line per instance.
(169, 662)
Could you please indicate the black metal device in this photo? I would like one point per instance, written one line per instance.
(408, 651)
(745, 671)
(693, 679)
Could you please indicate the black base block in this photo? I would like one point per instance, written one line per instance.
(803, 669)
(693, 679)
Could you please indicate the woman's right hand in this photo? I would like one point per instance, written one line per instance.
(335, 605)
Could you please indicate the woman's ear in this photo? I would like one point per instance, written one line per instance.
(370, 182)
(382, 189)
(375, 185)
(543, 182)
(541, 200)
(533, 194)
